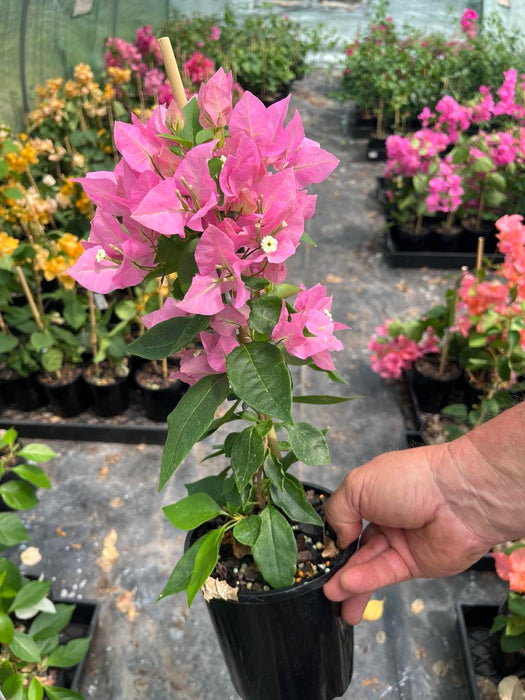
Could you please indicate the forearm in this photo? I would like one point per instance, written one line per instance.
(488, 466)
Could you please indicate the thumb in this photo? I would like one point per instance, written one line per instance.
(342, 515)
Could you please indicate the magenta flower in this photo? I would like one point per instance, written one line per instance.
(215, 33)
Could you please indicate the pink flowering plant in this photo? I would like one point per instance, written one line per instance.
(510, 566)
(217, 194)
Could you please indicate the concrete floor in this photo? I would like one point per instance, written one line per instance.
(105, 494)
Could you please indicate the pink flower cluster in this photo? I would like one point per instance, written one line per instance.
(410, 155)
(445, 190)
(511, 568)
(503, 292)
(511, 235)
(144, 58)
(468, 22)
(394, 354)
(198, 68)
(246, 214)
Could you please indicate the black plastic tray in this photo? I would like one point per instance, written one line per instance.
(473, 625)
(131, 427)
(434, 260)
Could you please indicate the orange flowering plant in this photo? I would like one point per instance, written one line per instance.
(510, 566)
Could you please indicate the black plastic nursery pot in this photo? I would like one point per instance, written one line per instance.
(376, 149)
(432, 392)
(159, 400)
(69, 398)
(109, 399)
(27, 394)
(479, 650)
(286, 644)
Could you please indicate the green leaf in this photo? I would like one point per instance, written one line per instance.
(247, 530)
(205, 561)
(275, 551)
(75, 313)
(169, 249)
(456, 410)
(191, 121)
(187, 268)
(7, 629)
(47, 645)
(30, 594)
(52, 359)
(126, 310)
(190, 419)
(484, 164)
(70, 654)
(192, 511)
(167, 337)
(323, 399)
(212, 485)
(8, 438)
(515, 625)
(11, 576)
(246, 456)
(7, 343)
(259, 376)
(18, 495)
(292, 500)
(35, 475)
(309, 444)
(13, 193)
(42, 339)
(12, 530)
(284, 290)
(516, 603)
(13, 687)
(35, 690)
(498, 623)
(511, 644)
(305, 238)
(56, 693)
(25, 648)
(37, 452)
(47, 624)
(181, 575)
(265, 312)
(503, 368)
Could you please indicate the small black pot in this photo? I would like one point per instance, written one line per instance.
(109, 399)
(159, 403)
(376, 149)
(68, 400)
(406, 240)
(27, 395)
(286, 644)
(432, 393)
(445, 241)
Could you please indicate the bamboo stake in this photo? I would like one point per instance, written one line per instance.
(479, 256)
(93, 331)
(172, 71)
(30, 298)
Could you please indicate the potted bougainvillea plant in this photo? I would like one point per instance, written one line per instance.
(509, 624)
(217, 194)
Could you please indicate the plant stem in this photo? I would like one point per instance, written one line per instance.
(164, 361)
(3, 326)
(444, 354)
(30, 298)
(93, 331)
(480, 210)
(419, 224)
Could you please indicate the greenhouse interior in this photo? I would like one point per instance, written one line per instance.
(262, 350)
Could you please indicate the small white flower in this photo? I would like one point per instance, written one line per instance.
(269, 244)
(49, 180)
(101, 255)
(328, 314)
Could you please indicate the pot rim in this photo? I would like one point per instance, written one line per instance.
(294, 590)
